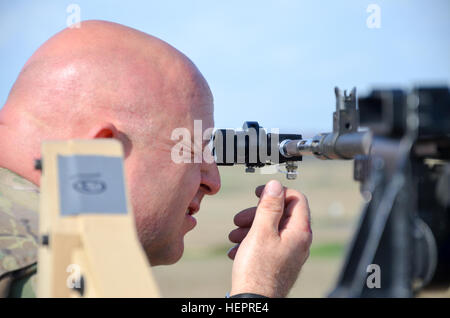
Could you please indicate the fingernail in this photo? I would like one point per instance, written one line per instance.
(273, 188)
(231, 248)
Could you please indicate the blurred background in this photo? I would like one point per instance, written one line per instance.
(275, 62)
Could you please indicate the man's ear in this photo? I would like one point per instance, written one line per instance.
(108, 130)
(105, 130)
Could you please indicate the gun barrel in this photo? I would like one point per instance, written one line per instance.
(330, 145)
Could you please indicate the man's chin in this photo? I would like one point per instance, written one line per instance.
(168, 256)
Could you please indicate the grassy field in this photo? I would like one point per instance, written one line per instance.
(335, 202)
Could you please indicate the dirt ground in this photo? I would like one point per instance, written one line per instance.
(335, 202)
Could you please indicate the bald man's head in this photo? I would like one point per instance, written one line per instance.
(105, 80)
(105, 70)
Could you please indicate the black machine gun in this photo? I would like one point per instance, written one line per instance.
(400, 143)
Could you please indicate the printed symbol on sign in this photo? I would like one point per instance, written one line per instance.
(89, 186)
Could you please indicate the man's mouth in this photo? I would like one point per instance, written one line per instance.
(192, 209)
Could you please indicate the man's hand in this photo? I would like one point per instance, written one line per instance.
(273, 242)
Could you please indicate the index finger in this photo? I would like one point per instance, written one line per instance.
(245, 217)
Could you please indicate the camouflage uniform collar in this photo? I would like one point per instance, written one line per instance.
(19, 217)
(13, 180)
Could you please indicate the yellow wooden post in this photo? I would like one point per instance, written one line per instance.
(87, 225)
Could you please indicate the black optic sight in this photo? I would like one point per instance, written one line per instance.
(253, 147)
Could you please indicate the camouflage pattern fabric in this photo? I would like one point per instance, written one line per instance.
(19, 206)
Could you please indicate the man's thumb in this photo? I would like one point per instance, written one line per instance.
(271, 205)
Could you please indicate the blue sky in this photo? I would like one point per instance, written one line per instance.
(271, 61)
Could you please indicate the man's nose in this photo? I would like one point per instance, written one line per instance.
(210, 178)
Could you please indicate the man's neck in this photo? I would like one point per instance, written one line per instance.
(15, 156)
